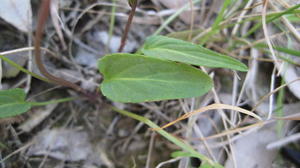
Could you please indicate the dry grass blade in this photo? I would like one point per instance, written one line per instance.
(286, 22)
(26, 49)
(284, 141)
(272, 92)
(212, 107)
(232, 131)
(292, 118)
(240, 17)
(57, 22)
(266, 33)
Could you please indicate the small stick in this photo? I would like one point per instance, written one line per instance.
(133, 5)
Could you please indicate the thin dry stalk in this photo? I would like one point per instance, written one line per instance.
(271, 93)
(212, 107)
(283, 142)
(235, 130)
(266, 32)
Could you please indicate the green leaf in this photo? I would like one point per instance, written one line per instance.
(137, 78)
(185, 52)
(12, 103)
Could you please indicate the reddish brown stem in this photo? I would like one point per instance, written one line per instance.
(133, 6)
(43, 16)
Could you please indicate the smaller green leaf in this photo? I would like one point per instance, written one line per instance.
(185, 52)
(137, 78)
(12, 102)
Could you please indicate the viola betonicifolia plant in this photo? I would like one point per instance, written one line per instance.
(163, 68)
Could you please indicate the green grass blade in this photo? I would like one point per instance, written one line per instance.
(174, 16)
(279, 109)
(280, 49)
(288, 51)
(293, 18)
(228, 24)
(111, 23)
(184, 146)
(270, 19)
(216, 25)
(23, 69)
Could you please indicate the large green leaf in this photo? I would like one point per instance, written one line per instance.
(182, 51)
(12, 102)
(137, 78)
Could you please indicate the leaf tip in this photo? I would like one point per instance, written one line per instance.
(243, 68)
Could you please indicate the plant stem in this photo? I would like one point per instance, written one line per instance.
(133, 5)
(43, 16)
(52, 101)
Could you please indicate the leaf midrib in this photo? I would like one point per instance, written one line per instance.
(147, 79)
(229, 59)
(16, 103)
